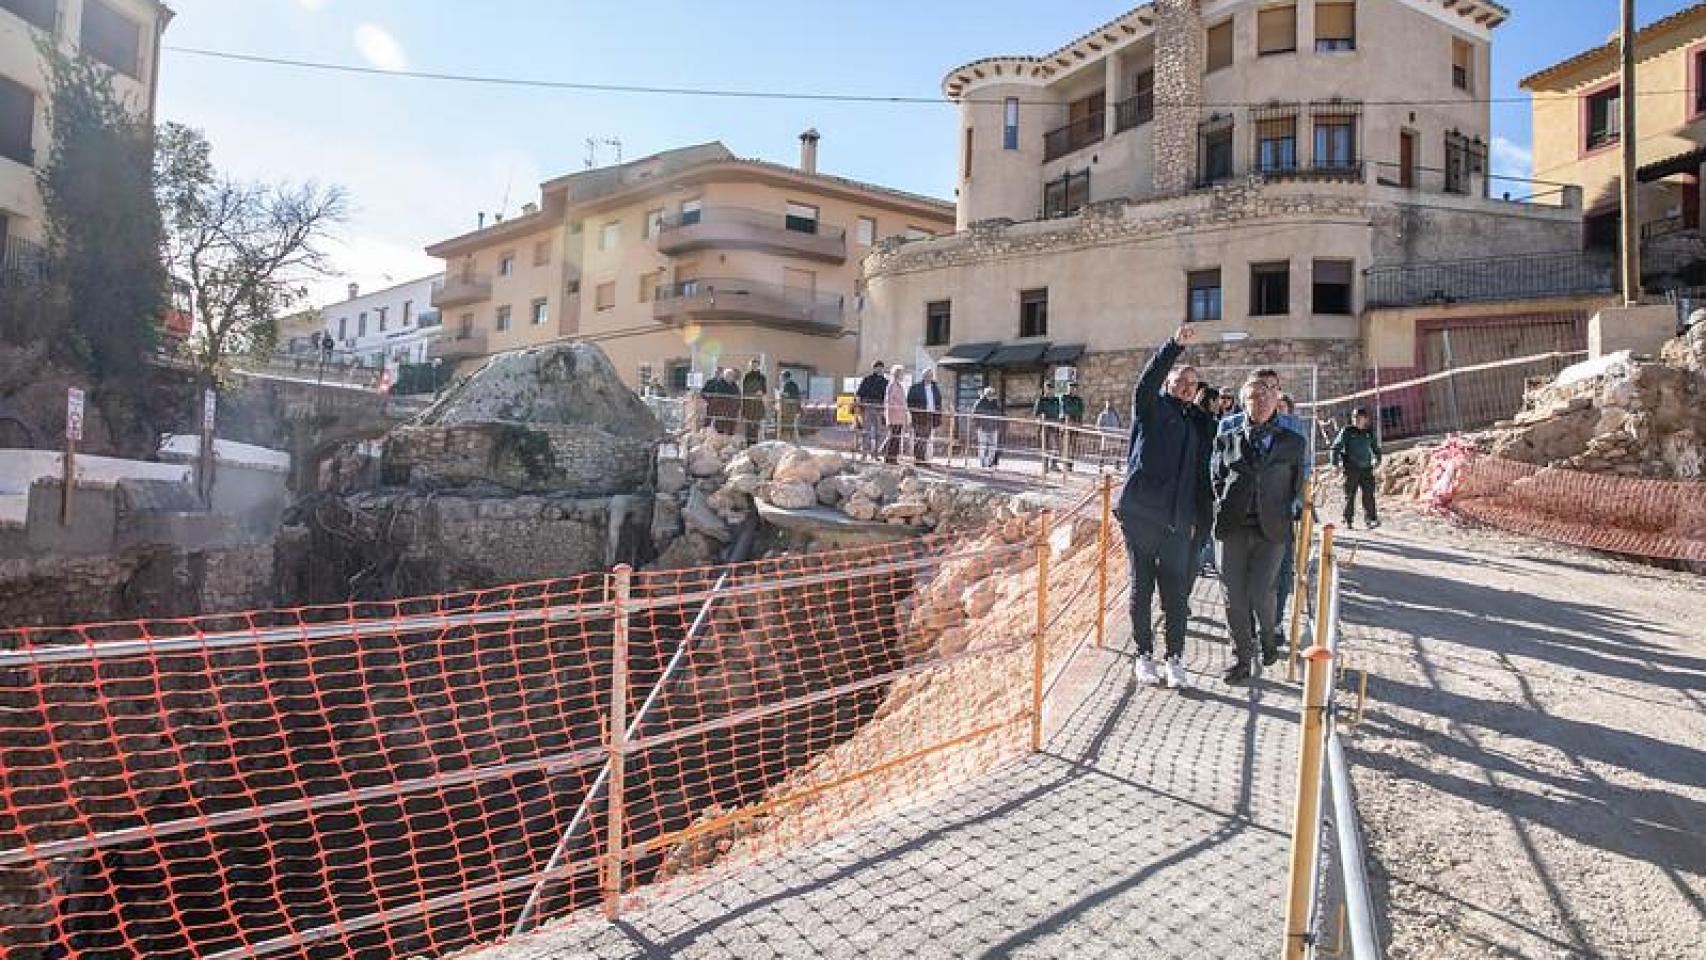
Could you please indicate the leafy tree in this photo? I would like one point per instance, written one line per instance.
(244, 249)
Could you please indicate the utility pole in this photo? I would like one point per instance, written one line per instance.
(1631, 216)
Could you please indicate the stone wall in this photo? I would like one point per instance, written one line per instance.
(1178, 80)
(153, 582)
(573, 459)
(1113, 374)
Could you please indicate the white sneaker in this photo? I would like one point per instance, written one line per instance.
(1145, 672)
(1176, 677)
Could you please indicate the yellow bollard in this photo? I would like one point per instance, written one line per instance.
(1299, 581)
(1321, 586)
(1037, 649)
(1102, 560)
(618, 740)
(1306, 817)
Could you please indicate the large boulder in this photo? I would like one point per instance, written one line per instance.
(701, 518)
(792, 496)
(797, 466)
(559, 383)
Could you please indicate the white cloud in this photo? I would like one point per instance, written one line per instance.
(1512, 159)
(312, 5)
(378, 47)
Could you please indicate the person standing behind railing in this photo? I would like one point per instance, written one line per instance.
(722, 401)
(1108, 424)
(868, 408)
(788, 408)
(895, 414)
(1356, 451)
(754, 387)
(986, 422)
(1072, 420)
(924, 401)
(1047, 412)
(1164, 502)
(1257, 475)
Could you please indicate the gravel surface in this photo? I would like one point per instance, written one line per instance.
(1532, 770)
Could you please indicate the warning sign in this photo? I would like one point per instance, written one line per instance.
(73, 413)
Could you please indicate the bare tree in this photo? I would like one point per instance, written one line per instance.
(245, 250)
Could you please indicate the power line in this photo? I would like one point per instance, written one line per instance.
(737, 93)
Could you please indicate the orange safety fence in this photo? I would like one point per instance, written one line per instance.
(1656, 519)
(412, 777)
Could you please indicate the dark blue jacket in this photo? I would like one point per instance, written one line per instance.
(1167, 469)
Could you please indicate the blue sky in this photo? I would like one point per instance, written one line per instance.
(420, 157)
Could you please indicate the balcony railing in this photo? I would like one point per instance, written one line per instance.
(732, 299)
(22, 263)
(463, 288)
(1353, 172)
(1076, 135)
(429, 318)
(1653, 229)
(1134, 112)
(743, 228)
(1568, 273)
(466, 343)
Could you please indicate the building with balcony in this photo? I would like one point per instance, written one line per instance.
(1577, 117)
(123, 35)
(682, 262)
(1238, 164)
(395, 326)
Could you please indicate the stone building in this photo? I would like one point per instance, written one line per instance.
(1236, 164)
(679, 262)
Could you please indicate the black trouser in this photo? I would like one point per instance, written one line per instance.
(1161, 557)
(1249, 566)
(891, 448)
(1359, 479)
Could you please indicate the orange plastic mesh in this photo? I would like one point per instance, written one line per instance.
(394, 779)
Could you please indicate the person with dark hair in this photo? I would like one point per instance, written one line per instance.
(722, 401)
(1047, 413)
(1208, 398)
(1071, 420)
(986, 423)
(1356, 452)
(1164, 503)
(924, 400)
(1257, 476)
(868, 411)
(788, 407)
(754, 387)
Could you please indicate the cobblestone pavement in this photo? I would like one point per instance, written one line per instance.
(1155, 824)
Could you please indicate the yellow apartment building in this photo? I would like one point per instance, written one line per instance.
(1578, 119)
(122, 34)
(679, 263)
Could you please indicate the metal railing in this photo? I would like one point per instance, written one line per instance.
(1564, 273)
(22, 262)
(712, 216)
(1076, 135)
(752, 298)
(1134, 111)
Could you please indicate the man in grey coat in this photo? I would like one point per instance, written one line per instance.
(1256, 471)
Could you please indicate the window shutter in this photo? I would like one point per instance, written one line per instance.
(1335, 21)
(1276, 30)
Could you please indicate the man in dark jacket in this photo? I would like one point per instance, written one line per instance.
(1047, 411)
(986, 423)
(1071, 418)
(722, 401)
(924, 404)
(869, 397)
(1257, 472)
(1164, 502)
(754, 388)
(1357, 452)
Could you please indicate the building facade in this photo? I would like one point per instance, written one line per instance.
(389, 327)
(679, 263)
(124, 35)
(1234, 164)
(1576, 107)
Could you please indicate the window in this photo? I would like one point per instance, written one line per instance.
(654, 223)
(1203, 289)
(1139, 108)
(1219, 46)
(343, 328)
(502, 318)
(1462, 65)
(675, 375)
(1033, 313)
(965, 157)
(1276, 30)
(1463, 158)
(1335, 143)
(383, 316)
(801, 283)
(1335, 27)
(361, 324)
(40, 14)
(465, 327)
(17, 123)
(1270, 289)
(506, 265)
(867, 231)
(1010, 124)
(1332, 289)
(1604, 117)
(801, 218)
(936, 316)
(1276, 144)
(610, 235)
(408, 311)
(111, 38)
(1216, 153)
(649, 283)
(691, 210)
(541, 312)
(542, 253)
(1066, 196)
(1700, 81)
(604, 296)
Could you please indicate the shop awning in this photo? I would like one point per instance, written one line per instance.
(1687, 162)
(967, 354)
(1063, 353)
(1018, 354)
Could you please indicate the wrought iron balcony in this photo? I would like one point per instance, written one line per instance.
(1076, 135)
(746, 229)
(1567, 273)
(1134, 112)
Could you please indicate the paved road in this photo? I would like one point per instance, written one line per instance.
(1154, 825)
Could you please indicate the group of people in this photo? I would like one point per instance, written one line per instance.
(1204, 468)
(885, 407)
(732, 402)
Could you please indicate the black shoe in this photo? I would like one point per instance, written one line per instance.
(1374, 524)
(1238, 675)
(1270, 656)
(1350, 524)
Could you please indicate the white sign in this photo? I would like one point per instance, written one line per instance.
(1234, 336)
(73, 413)
(1065, 374)
(209, 405)
(850, 384)
(695, 380)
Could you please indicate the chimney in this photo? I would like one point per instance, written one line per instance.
(480, 224)
(354, 290)
(808, 151)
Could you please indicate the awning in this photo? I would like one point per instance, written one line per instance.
(1688, 162)
(1017, 355)
(967, 354)
(1061, 353)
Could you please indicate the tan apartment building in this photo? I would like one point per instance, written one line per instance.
(681, 262)
(1576, 106)
(124, 35)
(1266, 170)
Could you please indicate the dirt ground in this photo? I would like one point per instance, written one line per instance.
(1532, 769)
